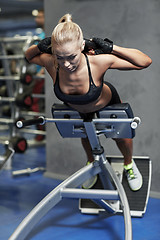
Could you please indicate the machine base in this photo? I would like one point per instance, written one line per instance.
(137, 200)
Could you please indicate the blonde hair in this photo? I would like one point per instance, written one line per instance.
(66, 31)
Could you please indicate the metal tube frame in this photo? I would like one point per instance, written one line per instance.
(70, 188)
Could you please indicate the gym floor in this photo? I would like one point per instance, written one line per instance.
(18, 195)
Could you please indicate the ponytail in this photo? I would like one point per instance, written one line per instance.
(66, 18)
(66, 31)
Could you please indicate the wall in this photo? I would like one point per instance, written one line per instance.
(128, 23)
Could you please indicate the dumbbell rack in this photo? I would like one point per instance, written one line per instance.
(15, 93)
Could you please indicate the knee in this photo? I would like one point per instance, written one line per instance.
(119, 140)
(124, 141)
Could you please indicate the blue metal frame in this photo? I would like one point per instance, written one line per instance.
(71, 187)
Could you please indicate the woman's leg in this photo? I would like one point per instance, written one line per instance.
(134, 177)
(125, 146)
(87, 147)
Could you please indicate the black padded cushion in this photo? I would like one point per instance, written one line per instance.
(119, 106)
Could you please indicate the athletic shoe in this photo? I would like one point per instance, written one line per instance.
(133, 175)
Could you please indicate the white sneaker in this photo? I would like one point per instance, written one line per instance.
(90, 182)
(134, 177)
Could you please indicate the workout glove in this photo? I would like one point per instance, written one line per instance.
(45, 45)
(89, 45)
(103, 46)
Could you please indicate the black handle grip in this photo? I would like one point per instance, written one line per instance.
(35, 121)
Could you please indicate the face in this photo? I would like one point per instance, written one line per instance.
(68, 56)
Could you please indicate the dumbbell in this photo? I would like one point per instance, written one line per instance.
(6, 111)
(21, 100)
(19, 144)
(26, 76)
(24, 100)
(20, 118)
(3, 91)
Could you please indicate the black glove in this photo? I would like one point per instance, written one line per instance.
(45, 45)
(89, 44)
(103, 46)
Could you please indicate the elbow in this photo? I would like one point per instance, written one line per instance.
(147, 63)
(27, 58)
(31, 53)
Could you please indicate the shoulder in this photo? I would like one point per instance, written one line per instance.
(102, 61)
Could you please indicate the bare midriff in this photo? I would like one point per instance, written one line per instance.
(101, 102)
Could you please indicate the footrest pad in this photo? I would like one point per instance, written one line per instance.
(137, 200)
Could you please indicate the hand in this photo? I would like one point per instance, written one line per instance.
(89, 45)
(103, 46)
(45, 45)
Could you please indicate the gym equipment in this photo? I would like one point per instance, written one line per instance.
(113, 121)
(18, 78)
(6, 111)
(12, 57)
(27, 171)
(137, 200)
(10, 78)
(25, 77)
(21, 100)
(13, 62)
(3, 159)
(19, 144)
(17, 39)
(3, 91)
(16, 144)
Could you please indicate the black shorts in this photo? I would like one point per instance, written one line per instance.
(115, 96)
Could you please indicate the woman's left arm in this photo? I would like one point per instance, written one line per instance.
(134, 56)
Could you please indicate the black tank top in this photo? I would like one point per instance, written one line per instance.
(92, 94)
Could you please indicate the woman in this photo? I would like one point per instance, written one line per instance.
(78, 78)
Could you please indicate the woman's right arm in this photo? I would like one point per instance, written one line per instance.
(40, 53)
(34, 55)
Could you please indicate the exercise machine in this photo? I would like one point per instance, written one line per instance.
(116, 121)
